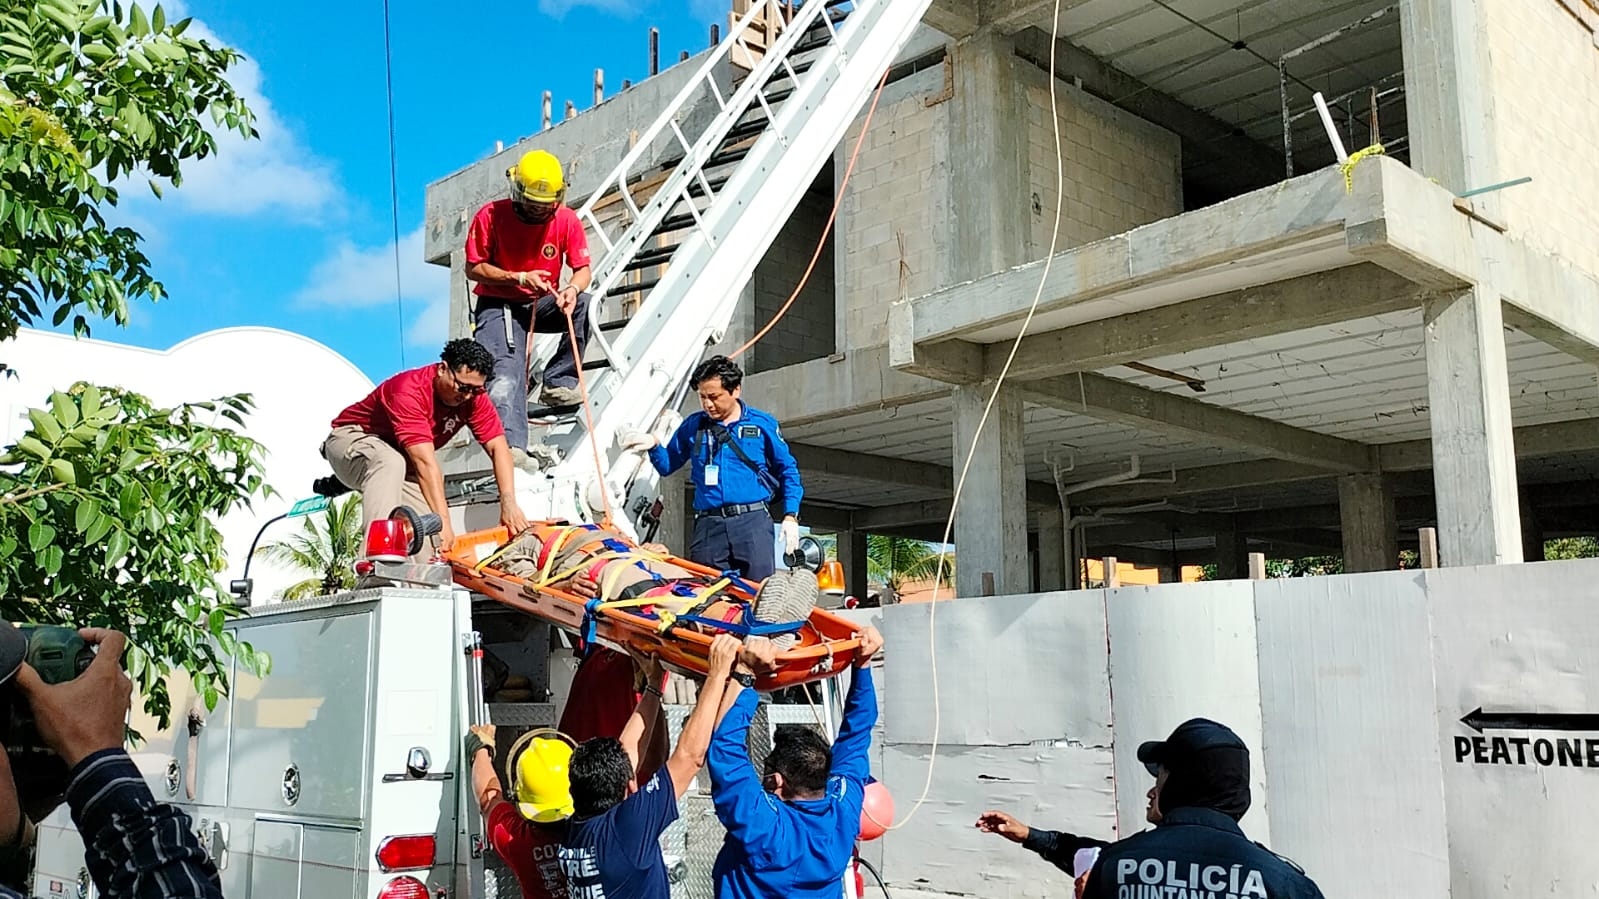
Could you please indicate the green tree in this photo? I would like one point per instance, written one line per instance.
(90, 92)
(898, 561)
(327, 546)
(1571, 548)
(108, 507)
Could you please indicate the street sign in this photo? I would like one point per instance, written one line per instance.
(308, 506)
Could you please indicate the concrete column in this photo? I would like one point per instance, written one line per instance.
(460, 323)
(1051, 550)
(1449, 105)
(988, 178)
(1473, 450)
(676, 517)
(991, 520)
(852, 555)
(1532, 534)
(1370, 529)
(1232, 555)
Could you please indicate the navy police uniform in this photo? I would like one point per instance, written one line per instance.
(1197, 850)
(737, 471)
(1199, 853)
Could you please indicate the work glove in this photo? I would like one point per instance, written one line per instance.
(479, 737)
(634, 439)
(790, 535)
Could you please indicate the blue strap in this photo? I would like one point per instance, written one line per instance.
(590, 624)
(744, 628)
(734, 580)
(615, 546)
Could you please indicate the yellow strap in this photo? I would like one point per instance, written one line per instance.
(1348, 165)
(669, 617)
(579, 567)
(554, 549)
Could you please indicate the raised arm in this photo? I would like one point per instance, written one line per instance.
(641, 724)
(689, 755)
(850, 750)
(742, 804)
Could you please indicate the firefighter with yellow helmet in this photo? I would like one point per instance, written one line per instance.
(525, 831)
(516, 251)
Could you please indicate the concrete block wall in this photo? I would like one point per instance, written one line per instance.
(806, 330)
(1543, 60)
(1120, 171)
(894, 199)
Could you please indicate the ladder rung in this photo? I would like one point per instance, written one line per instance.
(727, 157)
(622, 290)
(696, 190)
(674, 223)
(617, 325)
(747, 129)
(650, 258)
(595, 364)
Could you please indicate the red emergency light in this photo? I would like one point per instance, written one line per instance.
(400, 536)
(406, 853)
(404, 888)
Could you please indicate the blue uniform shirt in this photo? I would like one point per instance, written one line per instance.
(617, 853)
(796, 850)
(737, 483)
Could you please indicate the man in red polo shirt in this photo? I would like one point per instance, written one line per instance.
(383, 446)
(514, 253)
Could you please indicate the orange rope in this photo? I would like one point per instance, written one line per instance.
(588, 416)
(827, 229)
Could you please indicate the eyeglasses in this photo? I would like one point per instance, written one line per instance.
(468, 389)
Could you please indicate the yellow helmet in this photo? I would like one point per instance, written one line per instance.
(536, 178)
(543, 790)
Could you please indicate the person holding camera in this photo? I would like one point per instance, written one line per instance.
(135, 847)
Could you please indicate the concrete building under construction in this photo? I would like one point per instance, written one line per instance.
(1250, 327)
(1239, 346)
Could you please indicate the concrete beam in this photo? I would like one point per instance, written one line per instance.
(1008, 15)
(1111, 400)
(825, 518)
(1289, 214)
(956, 18)
(1248, 164)
(902, 472)
(1532, 441)
(1323, 298)
(1205, 479)
(860, 380)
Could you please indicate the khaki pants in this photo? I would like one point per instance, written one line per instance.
(379, 472)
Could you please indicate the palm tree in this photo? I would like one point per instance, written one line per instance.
(897, 561)
(327, 546)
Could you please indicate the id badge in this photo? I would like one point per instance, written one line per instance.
(713, 475)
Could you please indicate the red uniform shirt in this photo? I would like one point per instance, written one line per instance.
(528, 850)
(501, 239)
(405, 411)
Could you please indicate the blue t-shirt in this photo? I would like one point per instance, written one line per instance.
(617, 853)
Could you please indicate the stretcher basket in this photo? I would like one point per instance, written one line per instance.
(825, 644)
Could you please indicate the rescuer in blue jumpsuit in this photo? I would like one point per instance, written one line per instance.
(740, 467)
(1196, 848)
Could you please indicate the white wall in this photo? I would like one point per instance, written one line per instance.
(1349, 691)
(298, 386)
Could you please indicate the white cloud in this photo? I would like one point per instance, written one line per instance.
(243, 177)
(558, 8)
(353, 277)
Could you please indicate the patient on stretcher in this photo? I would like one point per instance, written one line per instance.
(598, 564)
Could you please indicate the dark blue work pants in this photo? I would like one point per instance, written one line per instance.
(743, 543)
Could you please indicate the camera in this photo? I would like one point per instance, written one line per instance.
(58, 654)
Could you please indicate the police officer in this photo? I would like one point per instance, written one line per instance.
(740, 465)
(1196, 848)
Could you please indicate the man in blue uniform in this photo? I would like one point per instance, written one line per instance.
(790, 834)
(740, 465)
(1196, 847)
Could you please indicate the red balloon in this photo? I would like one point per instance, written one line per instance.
(877, 811)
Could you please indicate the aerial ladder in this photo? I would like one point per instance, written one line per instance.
(736, 179)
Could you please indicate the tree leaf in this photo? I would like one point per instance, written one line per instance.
(51, 559)
(64, 472)
(138, 24)
(45, 425)
(87, 515)
(158, 19)
(33, 447)
(116, 547)
(39, 536)
(66, 411)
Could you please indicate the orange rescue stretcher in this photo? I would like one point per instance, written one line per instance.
(676, 627)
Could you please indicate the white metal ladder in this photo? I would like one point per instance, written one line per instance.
(795, 106)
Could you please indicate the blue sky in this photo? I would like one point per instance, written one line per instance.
(294, 230)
